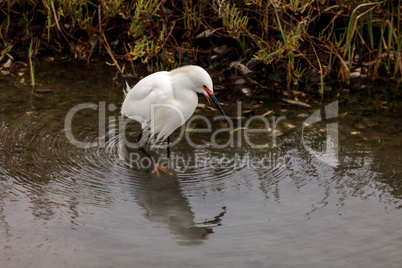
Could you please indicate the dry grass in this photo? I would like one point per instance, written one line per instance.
(331, 38)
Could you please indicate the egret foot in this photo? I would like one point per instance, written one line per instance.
(158, 168)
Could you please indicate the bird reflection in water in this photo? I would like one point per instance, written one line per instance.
(164, 202)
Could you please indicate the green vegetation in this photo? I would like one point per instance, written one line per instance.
(296, 37)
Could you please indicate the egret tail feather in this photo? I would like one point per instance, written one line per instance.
(127, 89)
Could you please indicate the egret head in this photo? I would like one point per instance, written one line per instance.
(208, 89)
(197, 79)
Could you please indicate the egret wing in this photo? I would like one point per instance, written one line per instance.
(148, 91)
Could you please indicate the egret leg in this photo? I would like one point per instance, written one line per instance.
(139, 138)
(157, 167)
(168, 147)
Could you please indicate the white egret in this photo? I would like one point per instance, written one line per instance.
(164, 101)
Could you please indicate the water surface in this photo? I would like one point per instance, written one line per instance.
(274, 206)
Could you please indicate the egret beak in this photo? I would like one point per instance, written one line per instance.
(207, 97)
(212, 97)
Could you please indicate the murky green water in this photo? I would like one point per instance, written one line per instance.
(241, 205)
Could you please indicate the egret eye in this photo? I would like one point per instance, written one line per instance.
(209, 91)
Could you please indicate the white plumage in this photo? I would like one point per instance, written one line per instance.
(163, 101)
